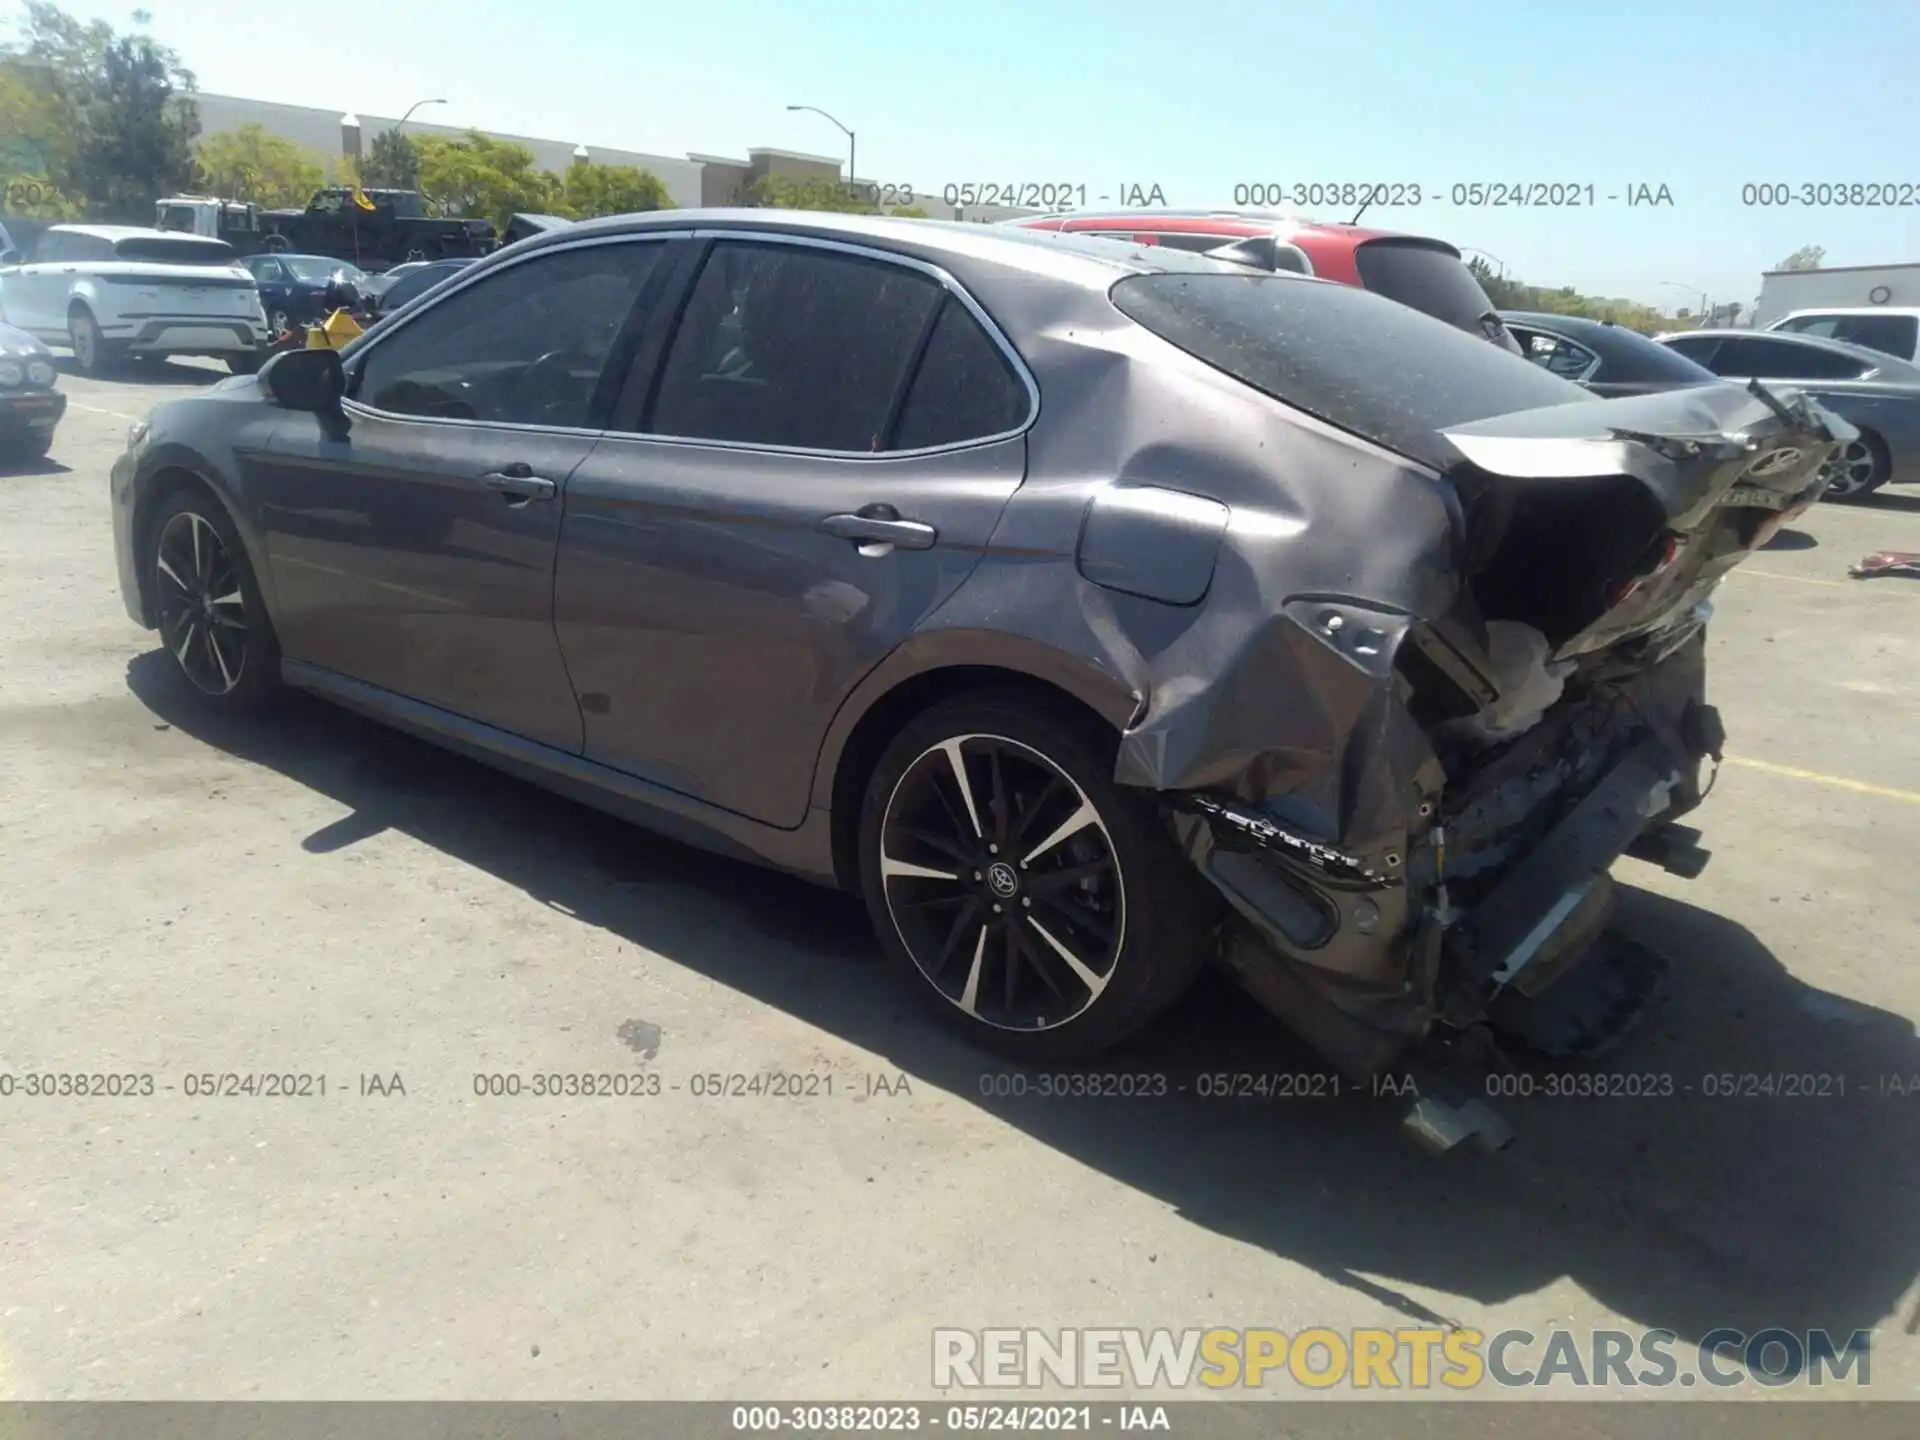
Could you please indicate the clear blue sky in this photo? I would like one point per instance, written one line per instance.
(1698, 95)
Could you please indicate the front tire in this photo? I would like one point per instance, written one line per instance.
(247, 364)
(1857, 468)
(212, 620)
(1042, 911)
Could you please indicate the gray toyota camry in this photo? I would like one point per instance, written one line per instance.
(1094, 612)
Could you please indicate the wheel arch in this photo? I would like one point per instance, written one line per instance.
(920, 676)
(161, 486)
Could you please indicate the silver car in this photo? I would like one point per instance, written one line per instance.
(1877, 393)
(1094, 611)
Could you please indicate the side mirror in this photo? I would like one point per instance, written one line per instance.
(309, 380)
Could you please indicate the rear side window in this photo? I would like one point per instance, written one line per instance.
(792, 345)
(1431, 279)
(1784, 360)
(964, 388)
(1371, 366)
(1895, 334)
(1630, 358)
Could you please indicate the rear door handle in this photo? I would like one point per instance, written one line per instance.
(520, 482)
(871, 529)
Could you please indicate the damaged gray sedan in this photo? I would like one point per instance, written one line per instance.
(1095, 612)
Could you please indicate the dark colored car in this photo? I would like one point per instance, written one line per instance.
(1416, 270)
(383, 299)
(1095, 612)
(293, 288)
(1606, 358)
(1878, 394)
(30, 402)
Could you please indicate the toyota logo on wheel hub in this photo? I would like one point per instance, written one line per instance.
(1001, 879)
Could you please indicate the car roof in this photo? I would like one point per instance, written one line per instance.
(1851, 310)
(128, 232)
(1082, 259)
(1544, 320)
(1227, 222)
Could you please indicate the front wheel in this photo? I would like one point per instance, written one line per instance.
(1043, 912)
(212, 619)
(244, 364)
(1857, 468)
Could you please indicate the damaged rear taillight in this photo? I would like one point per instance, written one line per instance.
(1655, 562)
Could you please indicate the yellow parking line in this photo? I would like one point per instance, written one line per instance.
(1839, 782)
(1876, 587)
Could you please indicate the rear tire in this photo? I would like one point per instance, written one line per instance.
(27, 447)
(92, 355)
(212, 620)
(1857, 469)
(244, 364)
(1043, 912)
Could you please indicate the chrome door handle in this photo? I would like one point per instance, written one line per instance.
(871, 529)
(522, 487)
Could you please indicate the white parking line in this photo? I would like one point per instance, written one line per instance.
(96, 410)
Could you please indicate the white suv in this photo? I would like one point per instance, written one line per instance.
(1892, 329)
(114, 291)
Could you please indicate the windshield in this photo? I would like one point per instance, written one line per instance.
(320, 269)
(1426, 277)
(174, 250)
(1380, 369)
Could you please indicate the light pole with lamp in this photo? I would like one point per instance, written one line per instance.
(815, 109)
(410, 109)
(1691, 290)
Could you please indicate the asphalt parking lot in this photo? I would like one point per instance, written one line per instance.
(317, 896)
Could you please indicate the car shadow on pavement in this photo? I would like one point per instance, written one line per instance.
(148, 372)
(1792, 540)
(39, 465)
(1904, 502)
(1687, 1210)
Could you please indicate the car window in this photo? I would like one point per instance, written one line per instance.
(1809, 325)
(89, 248)
(1555, 354)
(1372, 366)
(1783, 360)
(792, 345)
(524, 346)
(1697, 348)
(169, 250)
(416, 282)
(1895, 334)
(51, 246)
(964, 388)
(1427, 277)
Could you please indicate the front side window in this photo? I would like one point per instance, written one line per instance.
(792, 345)
(51, 246)
(525, 346)
(1893, 334)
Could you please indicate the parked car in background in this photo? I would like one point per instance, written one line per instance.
(1877, 394)
(1416, 270)
(1605, 358)
(30, 401)
(1094, 611)
(110, 292)
(293, 287)
(1894, 329)
(383, 300)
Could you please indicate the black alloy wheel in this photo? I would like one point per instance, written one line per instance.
(210, 616)
(1045, 912)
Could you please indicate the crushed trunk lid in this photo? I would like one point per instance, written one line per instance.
(1601, 521)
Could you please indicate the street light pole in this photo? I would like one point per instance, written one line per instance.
(410, 109)
(852, 172)
(1691, 290)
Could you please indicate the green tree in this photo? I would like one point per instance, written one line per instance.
(909, 212)
(392, 162)
(250, 164)
(588, 190)
(123, 105)
(1807, 257)
(487, 179)
(31, 137)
